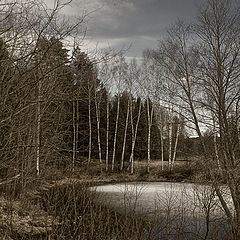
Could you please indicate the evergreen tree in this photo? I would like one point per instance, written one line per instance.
(52, 78)
(84, 89)
(8, 103)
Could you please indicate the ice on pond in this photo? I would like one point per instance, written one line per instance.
(185, 204)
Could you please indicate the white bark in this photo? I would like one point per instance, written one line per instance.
(97, 107)
(89, 125)
(150, 118)
(125, 135)
(38, 126)
(161, 123)
(74, 135)
(115, 133)
(107, 137)
(175, 145)
(134, 137)
(170, 139)
(216, 145)
(162, 149)
(77, 129)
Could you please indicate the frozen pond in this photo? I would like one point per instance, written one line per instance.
(191, 207)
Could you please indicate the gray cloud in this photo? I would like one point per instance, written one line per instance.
(137, 22)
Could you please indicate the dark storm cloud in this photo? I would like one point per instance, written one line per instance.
(140, 17)
(139, 23)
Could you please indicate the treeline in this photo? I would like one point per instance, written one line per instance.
(115, 124)
(61, 110)
(58, 107)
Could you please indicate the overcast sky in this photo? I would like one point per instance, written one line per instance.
(137, 24)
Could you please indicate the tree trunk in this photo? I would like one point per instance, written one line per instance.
(77, 128)
(115, 133)
(74, 135)
(162, 150)
(38, 127)
(216, 145)
(134, 137)
(175, 146)
(170, 140)
(107, 137)
(150, 118)
(97, 107)
(89, 125)
(125, 136)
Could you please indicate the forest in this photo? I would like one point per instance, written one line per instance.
(61, 108)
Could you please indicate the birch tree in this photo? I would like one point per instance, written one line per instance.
(218, 28)
(150, 122)
(170, 136)
(120, 71)
(134, 127)
(97, 100)
(146, 84)
(125, 134)
(177, 133)
(211, 69)
(85, 84)
(150, 84)
(22, 26)
(106, 76)
(134, 74)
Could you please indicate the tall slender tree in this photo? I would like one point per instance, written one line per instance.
(210, 70)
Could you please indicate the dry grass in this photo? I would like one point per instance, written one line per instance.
(66, 209)
(61, 206)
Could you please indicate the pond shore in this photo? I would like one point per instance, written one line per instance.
(36, 221)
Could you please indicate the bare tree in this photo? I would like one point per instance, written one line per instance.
(120, 72)
(147, 87)
(22, 26)
(177, 133)
(106, 76)
(125, 134)
(115, 132)
(134, 132)
(132, 84)
(97, 101)
(210, 70)
(89, 86)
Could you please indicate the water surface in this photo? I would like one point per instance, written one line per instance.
(193, 208)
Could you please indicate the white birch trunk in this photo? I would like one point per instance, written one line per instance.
(115, 133)
(74, 136)
(132, 128)
(238, 129)
(170, 141)
(90, 125)
(161, 124)
(149, 117)
(175, 146)
(98, 128)
(134, 131)
(216, 146)
(107, 137)
(125, 136)
(38, 127)
(162, 149)
(77, 129)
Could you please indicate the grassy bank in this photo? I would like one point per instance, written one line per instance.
(60, 206)
(94, 172)
(64, 211)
